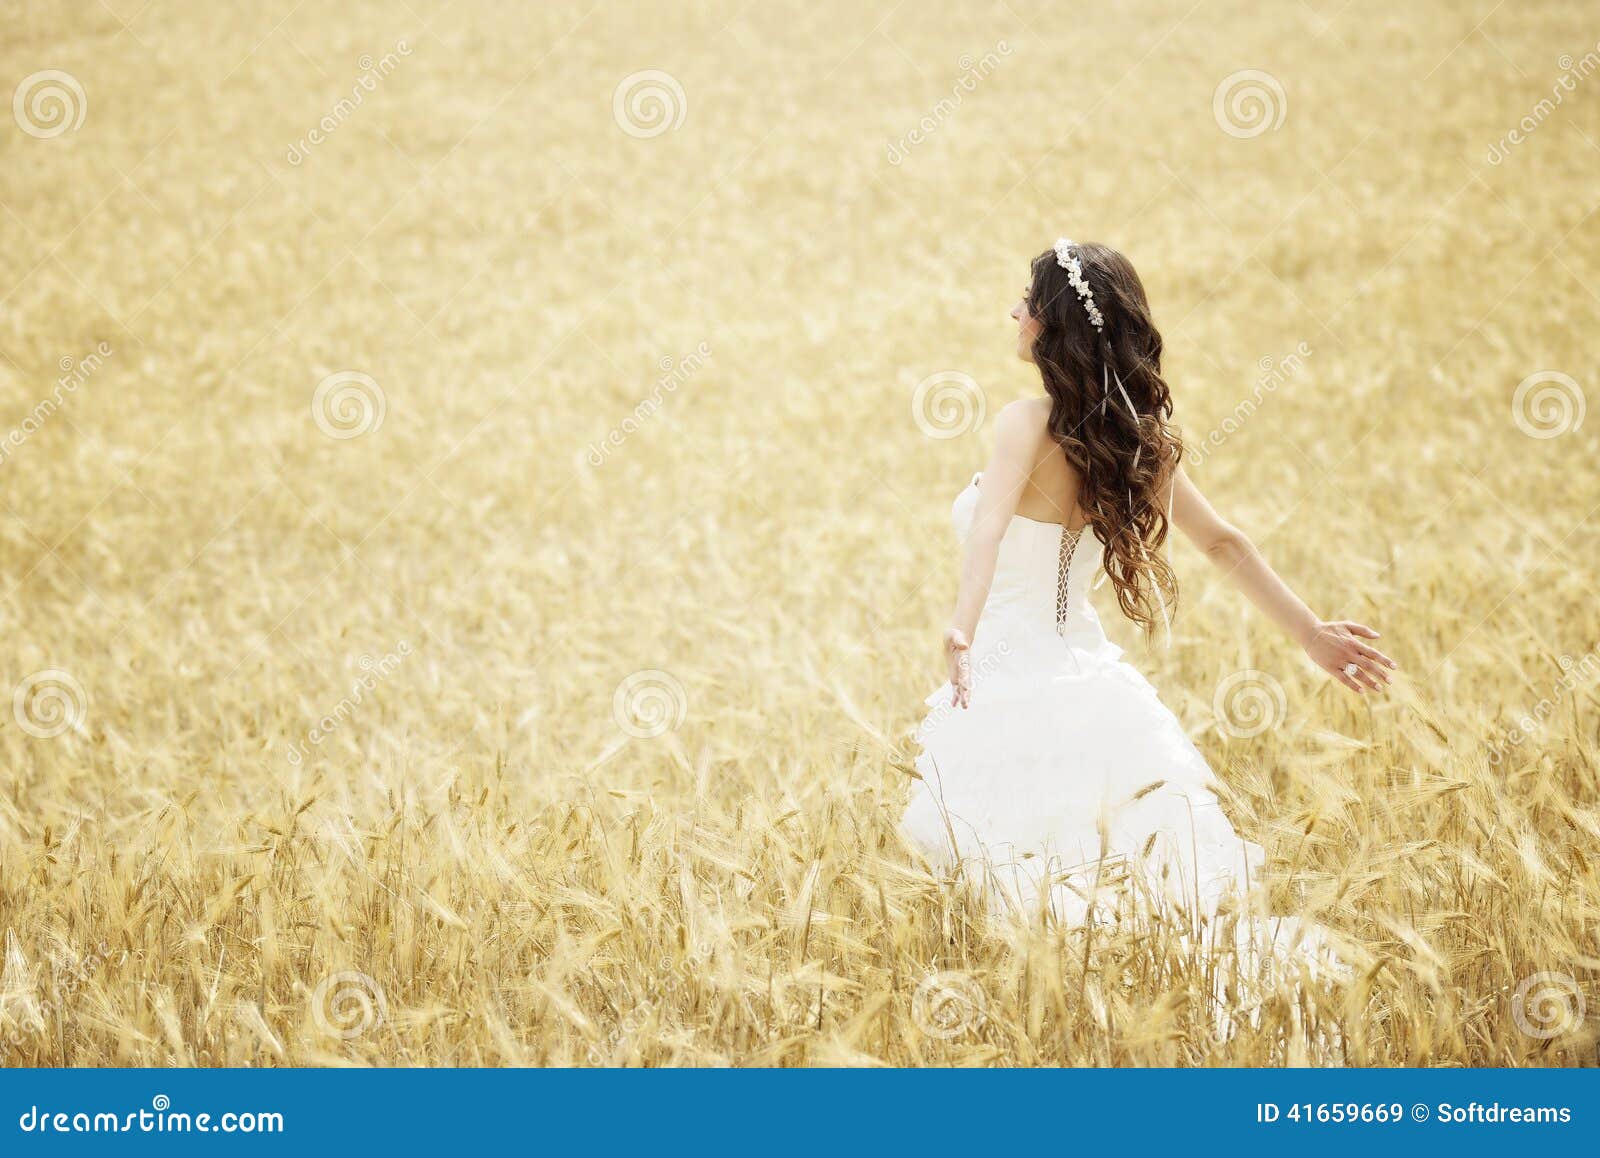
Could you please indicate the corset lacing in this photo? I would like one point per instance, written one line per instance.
(1069, 545)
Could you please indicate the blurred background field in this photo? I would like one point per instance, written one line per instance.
(625, 386)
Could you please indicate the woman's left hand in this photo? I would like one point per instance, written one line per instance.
(1337, 648)
(955, 655)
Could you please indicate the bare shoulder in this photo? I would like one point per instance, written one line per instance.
(1027, 418)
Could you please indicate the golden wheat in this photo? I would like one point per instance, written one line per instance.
(474, 713)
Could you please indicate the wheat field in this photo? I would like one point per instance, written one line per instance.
(474, 520)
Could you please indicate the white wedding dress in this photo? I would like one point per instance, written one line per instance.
(1066, 774)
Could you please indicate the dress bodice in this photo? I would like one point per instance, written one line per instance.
(1042, 574)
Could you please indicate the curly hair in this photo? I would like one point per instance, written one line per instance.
(1124, 457)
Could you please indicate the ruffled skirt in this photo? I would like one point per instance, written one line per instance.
(1067, 783)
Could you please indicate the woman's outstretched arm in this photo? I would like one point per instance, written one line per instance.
(1332, 646)
(1017, 434)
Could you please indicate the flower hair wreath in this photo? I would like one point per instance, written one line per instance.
(1068, 261)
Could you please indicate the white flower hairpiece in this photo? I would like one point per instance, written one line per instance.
(1068, 261)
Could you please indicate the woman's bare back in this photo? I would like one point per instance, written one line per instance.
(1051, 494)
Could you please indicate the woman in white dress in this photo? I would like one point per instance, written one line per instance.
(1048, 765)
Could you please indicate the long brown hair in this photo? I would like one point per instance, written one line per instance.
(1110, 412)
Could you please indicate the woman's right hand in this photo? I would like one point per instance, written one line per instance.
(960, 668)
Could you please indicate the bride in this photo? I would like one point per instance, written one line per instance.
(1049, 766)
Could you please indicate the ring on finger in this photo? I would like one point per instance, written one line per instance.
(1351, 669)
